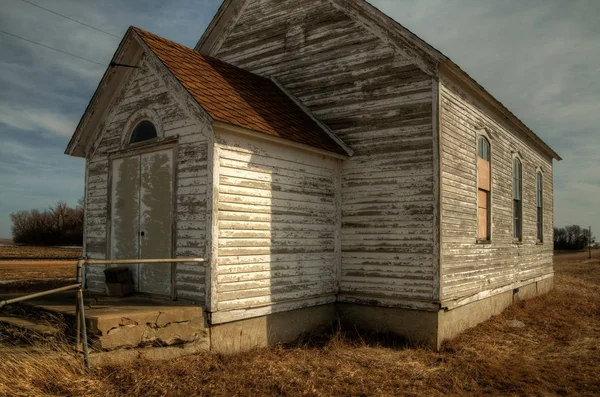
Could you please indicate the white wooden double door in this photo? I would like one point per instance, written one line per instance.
(141, 216)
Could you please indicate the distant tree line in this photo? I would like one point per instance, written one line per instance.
(57, 225)
(572, 237)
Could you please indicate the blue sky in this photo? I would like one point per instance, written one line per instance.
(541, 58)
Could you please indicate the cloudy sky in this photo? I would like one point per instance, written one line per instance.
(541, 58)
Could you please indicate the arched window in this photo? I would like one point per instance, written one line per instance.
(483, 148)
(483, 189)
(144, 131)
(540, 206)
(517, 199)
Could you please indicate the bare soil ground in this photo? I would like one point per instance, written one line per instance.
(32, 269)
(556, 353)
(35, 275)
(36, 269)
(34, 252)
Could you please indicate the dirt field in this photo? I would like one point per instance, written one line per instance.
(556, 353)
(33, 252)
(36, 270)
(30, 269)
(32, 276)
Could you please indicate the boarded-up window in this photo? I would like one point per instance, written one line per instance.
(517, 199)
(484, 186)
(540, 207)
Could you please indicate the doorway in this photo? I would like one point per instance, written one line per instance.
(141, 216)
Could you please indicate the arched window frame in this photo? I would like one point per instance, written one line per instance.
(484, 188)
(144, 127)
(517, 197)
(539, 201)
(134, 120)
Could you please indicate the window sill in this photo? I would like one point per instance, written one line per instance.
(539, 243)
(517, 242)
(483, 242)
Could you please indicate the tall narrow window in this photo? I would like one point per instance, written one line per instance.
(517, 199)
(483, 189)
(540, 206)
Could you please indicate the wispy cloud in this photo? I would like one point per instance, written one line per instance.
(31, 119)
(44, 93)
(540, 58)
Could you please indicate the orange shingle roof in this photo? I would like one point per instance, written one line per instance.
(235, 96)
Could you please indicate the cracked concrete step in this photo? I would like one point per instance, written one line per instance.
(125, 323)
(29, 326)
(153, 326)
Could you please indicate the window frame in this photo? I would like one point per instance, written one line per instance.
(143, 141)
(483, 134)
(517, 232)
(539, 202)
(145, 114)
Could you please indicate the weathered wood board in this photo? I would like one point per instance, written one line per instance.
(380, 104)
(276, 224)
(148, 88)
(469, 268)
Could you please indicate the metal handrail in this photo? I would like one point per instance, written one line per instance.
(79, 305)
(38, 294)
(130, 261)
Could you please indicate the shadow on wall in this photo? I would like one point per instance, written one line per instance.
(276, 241)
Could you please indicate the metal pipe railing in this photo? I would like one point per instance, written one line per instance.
(130, 261)
(38, 294)
(80, 286)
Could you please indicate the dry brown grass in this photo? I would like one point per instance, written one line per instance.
(33, 269)
(32, 275)
(33, 252)
(557, 353)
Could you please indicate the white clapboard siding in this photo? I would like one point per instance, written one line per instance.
(381, 106)
(146, 88)
(276, 224)
(469, 268)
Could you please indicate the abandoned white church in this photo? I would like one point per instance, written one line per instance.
(326, 163)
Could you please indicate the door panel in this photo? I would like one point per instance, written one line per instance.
(156, 192)
(124, 212)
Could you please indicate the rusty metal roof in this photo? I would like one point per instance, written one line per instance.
(238, 97)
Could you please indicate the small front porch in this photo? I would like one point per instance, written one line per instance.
(128, 322)
(121, 328)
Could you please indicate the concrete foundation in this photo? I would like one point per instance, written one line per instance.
(271, 329)
(416, 326)
(129, 326)
(124, 356)
(452, 322)
(433, 328)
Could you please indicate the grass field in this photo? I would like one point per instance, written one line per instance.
(36, 269)
(33, 252)
(556, 353)
(35, 275)
(21, 273)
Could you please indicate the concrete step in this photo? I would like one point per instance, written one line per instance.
(30, 326)
(130, 322)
